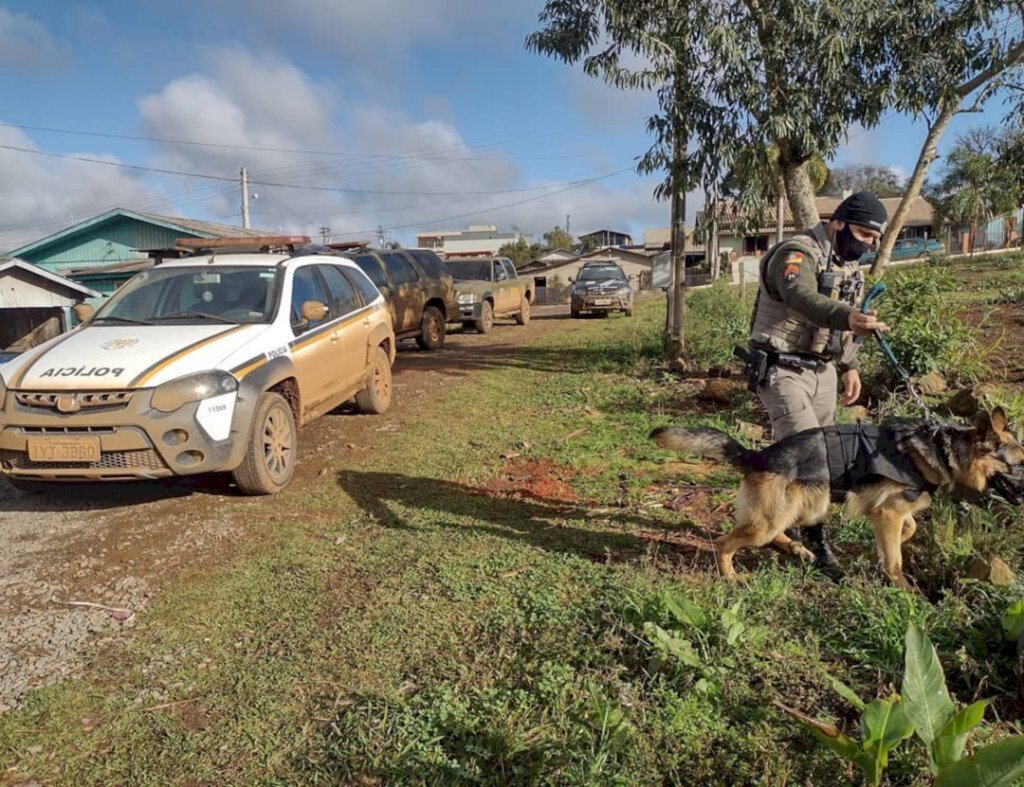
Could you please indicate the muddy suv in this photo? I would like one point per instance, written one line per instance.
(489, 287)
(600, 288)
(419, 292)
(207, 363)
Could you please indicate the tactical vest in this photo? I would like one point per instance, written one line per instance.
(784, 330)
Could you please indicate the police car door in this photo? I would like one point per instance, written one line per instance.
(353, 328)
(317, 351)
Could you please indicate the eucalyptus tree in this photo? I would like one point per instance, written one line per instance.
(964, 53)
(793, 75)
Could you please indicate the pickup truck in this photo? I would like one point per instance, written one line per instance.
(489, 287)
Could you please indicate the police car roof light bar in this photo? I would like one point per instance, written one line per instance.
(261, 242)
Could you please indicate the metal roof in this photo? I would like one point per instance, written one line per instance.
(208, 229)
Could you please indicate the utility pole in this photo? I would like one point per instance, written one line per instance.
(245, 198)
(567, 224)
(380, 235)
(325, 233)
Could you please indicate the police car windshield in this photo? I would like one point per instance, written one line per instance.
(198, 295)
(463, 271)
(601, 274)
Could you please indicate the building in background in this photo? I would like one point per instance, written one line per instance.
(738, 240)
(482, 239)
(35, 305)
(107, 250)
(604, 238)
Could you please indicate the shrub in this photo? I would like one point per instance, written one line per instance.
(926, 336)
(716, 321)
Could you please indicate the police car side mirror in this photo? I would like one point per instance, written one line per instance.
(313, 311)
(83, 311)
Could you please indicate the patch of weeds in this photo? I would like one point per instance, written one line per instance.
(924, 337)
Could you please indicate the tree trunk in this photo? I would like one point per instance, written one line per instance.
(800, 193)
(929, 152)
(674, 340)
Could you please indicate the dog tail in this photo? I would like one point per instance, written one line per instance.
(706, 442)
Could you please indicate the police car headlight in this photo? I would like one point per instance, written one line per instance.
(175, 394)
(467, 297)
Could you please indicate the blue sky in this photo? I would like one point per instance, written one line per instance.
(429, 112)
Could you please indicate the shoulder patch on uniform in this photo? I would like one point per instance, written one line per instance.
(795, 256)
(791, 271)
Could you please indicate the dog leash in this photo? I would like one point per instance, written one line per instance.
(876, 290)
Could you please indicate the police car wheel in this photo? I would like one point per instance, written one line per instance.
(523, 317)
(432, 329)
(486, 321)
(376, 396)
(271, 453)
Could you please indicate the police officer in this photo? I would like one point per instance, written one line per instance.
(805, 320)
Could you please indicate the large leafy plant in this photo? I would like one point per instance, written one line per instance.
(924, 708)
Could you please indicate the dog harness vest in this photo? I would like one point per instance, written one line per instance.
(856, 452)
(786, 330)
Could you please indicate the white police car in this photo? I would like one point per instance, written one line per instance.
(200, 364)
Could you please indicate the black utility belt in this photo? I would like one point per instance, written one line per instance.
(759, 361)
(801, 362)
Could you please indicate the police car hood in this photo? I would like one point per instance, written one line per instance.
(112, 357)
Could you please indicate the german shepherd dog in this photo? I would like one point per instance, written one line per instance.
(791, 483)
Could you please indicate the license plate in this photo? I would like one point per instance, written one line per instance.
(66, 449)
(602, 301)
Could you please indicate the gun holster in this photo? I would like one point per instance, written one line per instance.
(757, 365)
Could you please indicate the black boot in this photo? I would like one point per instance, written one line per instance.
(824, 558)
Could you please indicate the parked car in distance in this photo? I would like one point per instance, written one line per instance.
(600, 288)
(208, 363)
(908, 248)
(419, 291)
(489, 287)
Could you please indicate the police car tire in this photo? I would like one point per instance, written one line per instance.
(432, 329)
(254, 476)
(375, 398)
(523, 317)
(628, 312)
(486, 321)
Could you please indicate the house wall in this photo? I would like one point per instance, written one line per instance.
(18, 289)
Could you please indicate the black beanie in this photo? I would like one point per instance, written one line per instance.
(863, 208)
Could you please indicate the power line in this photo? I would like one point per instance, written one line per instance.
(425, 154)
(428, 222)
(254, 181)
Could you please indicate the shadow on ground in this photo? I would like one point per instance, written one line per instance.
(553, 525)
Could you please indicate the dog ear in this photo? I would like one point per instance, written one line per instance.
(985, 428)
(999, 420)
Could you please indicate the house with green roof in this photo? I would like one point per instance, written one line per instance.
(107, 250)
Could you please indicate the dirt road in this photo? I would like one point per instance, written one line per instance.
(117, 544)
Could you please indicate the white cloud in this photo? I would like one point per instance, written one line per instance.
(41, 194)
(382, 28)
(395, 169)
(242, 99)
(26, 44)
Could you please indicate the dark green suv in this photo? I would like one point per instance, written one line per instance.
(419, 291)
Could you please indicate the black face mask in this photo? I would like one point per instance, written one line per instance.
(848, 247)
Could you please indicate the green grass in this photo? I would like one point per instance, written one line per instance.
(391, 625)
